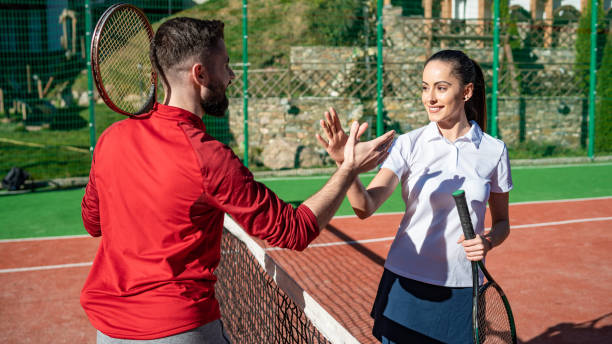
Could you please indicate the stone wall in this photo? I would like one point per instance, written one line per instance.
(280, 127)
(282, 131)
(542, 120)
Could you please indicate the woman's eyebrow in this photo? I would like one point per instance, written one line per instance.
(439, 82)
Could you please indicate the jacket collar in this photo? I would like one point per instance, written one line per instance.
(177, 114)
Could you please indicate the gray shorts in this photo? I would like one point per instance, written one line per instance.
(211, 333)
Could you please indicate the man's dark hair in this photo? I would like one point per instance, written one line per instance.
(182, 38)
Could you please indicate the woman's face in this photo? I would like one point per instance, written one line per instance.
(443, 94)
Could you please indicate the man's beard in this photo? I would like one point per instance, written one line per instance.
(217, 103)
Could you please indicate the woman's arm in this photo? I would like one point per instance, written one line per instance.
(498, 205)
(366, 201)
(477, 248)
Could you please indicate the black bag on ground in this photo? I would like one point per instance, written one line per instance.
(15, 179)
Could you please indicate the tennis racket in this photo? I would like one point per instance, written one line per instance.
(120, 61)
(491, 313)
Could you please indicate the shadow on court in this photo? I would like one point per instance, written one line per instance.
(593, 331)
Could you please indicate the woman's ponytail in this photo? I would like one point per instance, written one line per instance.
(476, 106)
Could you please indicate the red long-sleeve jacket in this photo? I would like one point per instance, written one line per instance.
(158, 190)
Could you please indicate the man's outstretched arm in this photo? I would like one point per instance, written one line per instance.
(230, 186)
(358, 158)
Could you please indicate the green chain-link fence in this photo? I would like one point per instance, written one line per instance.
(304, 56)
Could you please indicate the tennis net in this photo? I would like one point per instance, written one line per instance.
(261, 303)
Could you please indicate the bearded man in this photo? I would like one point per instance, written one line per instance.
(159, 187)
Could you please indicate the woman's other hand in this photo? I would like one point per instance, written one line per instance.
(475, 249)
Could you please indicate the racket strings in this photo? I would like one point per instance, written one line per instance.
(124, 64)
(493, 320)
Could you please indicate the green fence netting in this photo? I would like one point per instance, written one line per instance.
(304, 56)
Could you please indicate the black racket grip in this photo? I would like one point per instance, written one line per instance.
(464, 214)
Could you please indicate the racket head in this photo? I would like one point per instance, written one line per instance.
(120, 63)
(495, 319)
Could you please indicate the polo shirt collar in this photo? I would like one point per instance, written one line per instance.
(474, 135)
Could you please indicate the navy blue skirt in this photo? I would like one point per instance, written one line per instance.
(409, 311)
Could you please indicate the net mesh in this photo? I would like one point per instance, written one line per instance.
(125, 68)
(493, 320)
(254, 308)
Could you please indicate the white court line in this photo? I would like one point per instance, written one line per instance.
(45, 267)
(47, 238)
(569, 165)
(543, 224)
(564, 200)
(511, 203)
(546, 224)
(352, 242)
(355, 242)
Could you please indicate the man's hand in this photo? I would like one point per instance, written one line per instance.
(364, 156)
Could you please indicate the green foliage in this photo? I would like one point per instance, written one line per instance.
(521, 49)
(346, 25)
(535, 150)
(410, 7)
(603, 114)
(275, 26)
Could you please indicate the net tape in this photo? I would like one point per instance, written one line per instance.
(261, 303)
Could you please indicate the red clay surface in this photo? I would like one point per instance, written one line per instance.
(558, 278)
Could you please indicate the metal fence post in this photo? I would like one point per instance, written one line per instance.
(379, 69)
(495, 81)
(245, 80)
(90, 95)
(592, 79)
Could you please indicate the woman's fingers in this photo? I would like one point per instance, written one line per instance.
(362, 128)
(474, 248)
(461, 239)
(382, 158)
(354, 131)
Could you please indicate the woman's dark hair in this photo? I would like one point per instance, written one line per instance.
(181, 38)
(467, 70)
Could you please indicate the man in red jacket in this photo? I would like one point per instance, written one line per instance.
(158, 189)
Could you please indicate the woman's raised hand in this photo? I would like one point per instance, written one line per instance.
(336, 137)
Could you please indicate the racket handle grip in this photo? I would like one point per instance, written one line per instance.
(464, 214)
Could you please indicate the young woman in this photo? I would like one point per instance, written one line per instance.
(424, 294)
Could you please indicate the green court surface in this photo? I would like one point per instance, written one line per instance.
(53, 213)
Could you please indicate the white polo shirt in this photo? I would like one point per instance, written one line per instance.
(430, 168)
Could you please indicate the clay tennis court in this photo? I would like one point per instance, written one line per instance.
(556, 268)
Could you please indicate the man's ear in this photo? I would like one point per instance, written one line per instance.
(199, 75)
